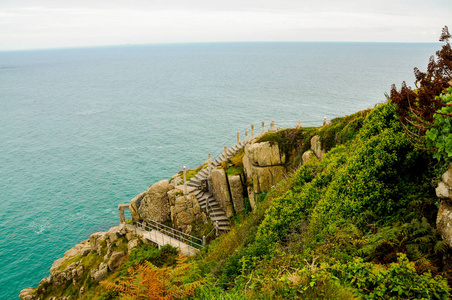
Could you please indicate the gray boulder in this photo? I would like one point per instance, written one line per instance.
(155, 203)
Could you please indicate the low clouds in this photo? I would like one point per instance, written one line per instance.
(27, 24)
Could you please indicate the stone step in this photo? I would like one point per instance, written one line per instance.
(195, 180)
(223, 223)
(216, 212)
(219, 218)
(207, 196)
(204, 172)
(211, 205)
(198, 177)
(198, 192)
(192, 184)
(212, 201)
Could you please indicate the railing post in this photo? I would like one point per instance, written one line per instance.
(203, 241)
(225, 153)
(209, 163)
(246, 135)
(252, 130)
(185, 180)
(263, 127)
(238, 137)
(299, 124)
(324, 121)
(272, 127)
(216, 227)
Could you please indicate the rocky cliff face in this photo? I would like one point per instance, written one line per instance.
(92, 259)
(152, 204)
(444, 217)
(263, 165)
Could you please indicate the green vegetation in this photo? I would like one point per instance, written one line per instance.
(359, 224)
(192, 173)
(439, 137)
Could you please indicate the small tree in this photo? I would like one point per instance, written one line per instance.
(416, 108)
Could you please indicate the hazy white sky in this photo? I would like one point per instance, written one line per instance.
(29, 24)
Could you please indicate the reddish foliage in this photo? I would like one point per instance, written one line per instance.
(417, 107)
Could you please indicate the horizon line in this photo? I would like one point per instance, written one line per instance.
(204, 43)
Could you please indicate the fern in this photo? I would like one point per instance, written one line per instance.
(147, 281)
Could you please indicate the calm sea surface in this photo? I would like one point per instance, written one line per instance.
(83, 130)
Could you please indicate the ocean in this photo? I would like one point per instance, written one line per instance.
(83, 130)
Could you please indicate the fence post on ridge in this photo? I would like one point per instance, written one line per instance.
(185, 180)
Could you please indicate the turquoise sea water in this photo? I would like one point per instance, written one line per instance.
(83, 130)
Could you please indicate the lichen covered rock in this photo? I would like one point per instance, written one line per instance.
(186, 212)
(264, 166)
(235, 183)
(221, 191)
(155, 203)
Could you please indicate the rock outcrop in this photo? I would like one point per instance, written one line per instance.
(102, 249)
(316, 146)
(186, 212)
(263, 165)
(444, 217)
(221, 191)
(153, 204)
(236, 187)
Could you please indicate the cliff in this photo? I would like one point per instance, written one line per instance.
(343, 211)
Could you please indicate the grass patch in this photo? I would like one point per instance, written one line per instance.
(234, 170)
(192, 173)
(236, 160)
(69, 261)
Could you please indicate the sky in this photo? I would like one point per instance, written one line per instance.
(40, 24)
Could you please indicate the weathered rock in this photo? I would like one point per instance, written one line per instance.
(263, 166)
(96, 240)
(172, 195)
(221, 191)
(27, 294)
(444, 222)
(114, 233)
(74, 271)
(100, 273)
(184, 218)
(235, 183)
(308, 157)
(155, 203)
(264, 154)
(447, 177)
(316, 146)
(81, 249)
(251, 197)
(132, 244)
(443, 191)
(135, 204)
(185, 211)
(265, 178)
(115, 259)
(247, 167)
